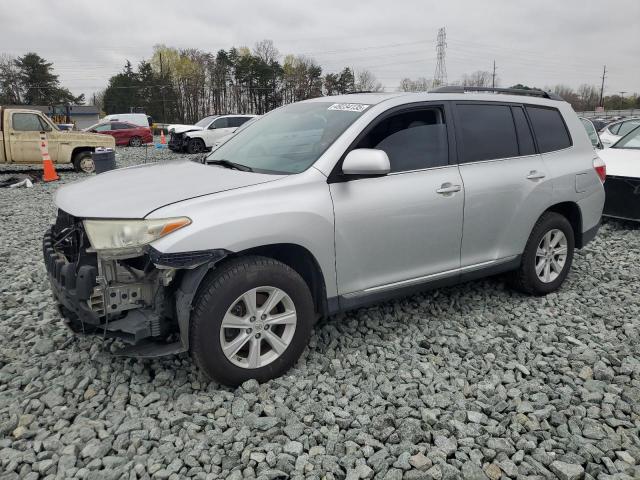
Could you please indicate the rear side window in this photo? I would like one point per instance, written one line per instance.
(549, 128)
(525, 139)
(237, 121)
(487, 132)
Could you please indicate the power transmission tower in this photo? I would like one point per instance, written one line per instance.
(493, 77)
(604, 74)
(440, 77)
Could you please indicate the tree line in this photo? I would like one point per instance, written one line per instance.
(184, 85)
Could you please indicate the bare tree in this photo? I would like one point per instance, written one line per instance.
(479, 78)
(366, 81)
(10, 91)
(266, 51)
(420, 84)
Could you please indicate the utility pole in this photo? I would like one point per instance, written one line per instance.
(604, 74)
(493, 77)
(440, 76)
(622, 100)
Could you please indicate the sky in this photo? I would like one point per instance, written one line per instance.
(536, 42)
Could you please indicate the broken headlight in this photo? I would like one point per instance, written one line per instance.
(125, 235)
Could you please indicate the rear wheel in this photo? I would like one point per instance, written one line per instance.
(196, 145)
(135, 141)
(547, 258)
(83, 162)
(252, 319)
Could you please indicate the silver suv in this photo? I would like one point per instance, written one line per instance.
(319, 207)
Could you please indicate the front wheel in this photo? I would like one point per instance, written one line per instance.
(547, 257)
(196, 145)
(83, 162)
(252, 319)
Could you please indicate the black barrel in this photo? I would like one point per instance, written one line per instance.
(104, 159)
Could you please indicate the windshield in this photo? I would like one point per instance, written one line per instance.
(206, 121)
(289, 139)
(631, 140)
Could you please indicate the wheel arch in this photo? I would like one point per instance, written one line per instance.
(571, 211)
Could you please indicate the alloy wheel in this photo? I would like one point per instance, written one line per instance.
(551, 255)
(258, 327)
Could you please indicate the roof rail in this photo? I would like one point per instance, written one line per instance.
(509, 91)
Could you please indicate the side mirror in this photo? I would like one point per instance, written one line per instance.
(366, 161)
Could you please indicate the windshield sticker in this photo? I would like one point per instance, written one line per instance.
(349, 107)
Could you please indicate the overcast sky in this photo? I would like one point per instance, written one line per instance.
(537, 42)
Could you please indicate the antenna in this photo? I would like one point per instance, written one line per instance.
(440, 77)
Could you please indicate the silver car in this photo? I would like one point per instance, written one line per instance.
(323, 206)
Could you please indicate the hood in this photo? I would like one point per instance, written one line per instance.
(621, 162)
(180, 128)
(136, 191)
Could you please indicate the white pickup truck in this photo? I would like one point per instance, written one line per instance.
(20, 131)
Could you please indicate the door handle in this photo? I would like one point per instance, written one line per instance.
(535, 175)
(447, 188)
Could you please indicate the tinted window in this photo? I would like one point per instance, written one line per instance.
(412, 140)
(237, 121)
(626, 127)
(487, 132)
(121, 126)
(220, 123)
(549, 129)
(26, 122)
(105, 127)
(525, 139)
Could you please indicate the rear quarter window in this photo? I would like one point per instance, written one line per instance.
(549, 128)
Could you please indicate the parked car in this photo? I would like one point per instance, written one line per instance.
(623, 177)
(20, 131)
(124, 133)
(616, 130)
(201, 136)
(599, 123)
(319, 207)
(139, 119)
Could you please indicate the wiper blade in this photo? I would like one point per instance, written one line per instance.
(229, 164)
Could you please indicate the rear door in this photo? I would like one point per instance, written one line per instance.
(24, 137)
(505, 181)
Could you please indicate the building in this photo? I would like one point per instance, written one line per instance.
(82, 116)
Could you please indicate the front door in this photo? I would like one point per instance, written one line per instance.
(24, 137)
(403, 228)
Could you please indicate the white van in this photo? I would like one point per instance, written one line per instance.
(141, 119)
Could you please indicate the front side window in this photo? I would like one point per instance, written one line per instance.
(289, 139)
(626, 127)
(413, 140)
(26, 122)
(121, 126)
(487, 132)
(631, 140)
(105, 127)
(549, 128)
(204, 123)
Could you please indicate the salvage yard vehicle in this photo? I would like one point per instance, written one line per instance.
(324, 206)
(203, 135)
(124, 133)
(140, 119)
(623, 177)
(616, 130)
(20, 131)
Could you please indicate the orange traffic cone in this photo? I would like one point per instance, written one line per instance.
(163, 139)
(49, 170)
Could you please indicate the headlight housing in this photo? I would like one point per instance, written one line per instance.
(131, 235)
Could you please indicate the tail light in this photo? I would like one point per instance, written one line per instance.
(600, 167)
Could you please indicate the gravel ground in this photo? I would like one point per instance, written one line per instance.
(474, 381)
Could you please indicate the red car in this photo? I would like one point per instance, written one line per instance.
(124, 133)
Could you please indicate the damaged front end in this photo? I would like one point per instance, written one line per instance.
(139, 297)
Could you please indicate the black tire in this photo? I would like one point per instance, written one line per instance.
(135, 142)
(525, 278)
(196, 145)
(216, 295)
(80, 162)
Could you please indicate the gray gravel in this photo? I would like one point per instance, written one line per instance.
(474, 381)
